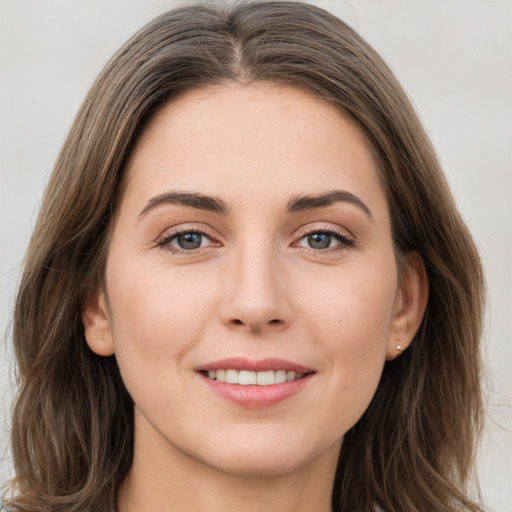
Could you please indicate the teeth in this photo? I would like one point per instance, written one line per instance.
(232, 376)
(280, 376)
(265, 378)
(248, 378)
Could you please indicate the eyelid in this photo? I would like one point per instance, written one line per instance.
(163, 241)
(346, 239)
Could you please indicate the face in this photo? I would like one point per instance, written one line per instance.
(251, 294)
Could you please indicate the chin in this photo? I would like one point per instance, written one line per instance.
(263, 465)
(269, 457)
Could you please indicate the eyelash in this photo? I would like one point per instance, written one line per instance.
(165, 241)
(345, 241)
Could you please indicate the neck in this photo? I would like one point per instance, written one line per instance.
(169, 480)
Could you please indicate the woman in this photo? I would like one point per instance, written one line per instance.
(248, 284)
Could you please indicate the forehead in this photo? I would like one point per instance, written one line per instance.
(261, 139)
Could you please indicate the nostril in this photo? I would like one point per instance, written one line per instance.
(237, 321)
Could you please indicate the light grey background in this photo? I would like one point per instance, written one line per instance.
(454, 57)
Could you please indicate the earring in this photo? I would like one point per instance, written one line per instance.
(399, 348)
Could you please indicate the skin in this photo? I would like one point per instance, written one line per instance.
(255, 288)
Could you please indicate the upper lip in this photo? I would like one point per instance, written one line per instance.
(262, 365)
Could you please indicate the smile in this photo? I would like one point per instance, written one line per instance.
(255, 384)
(249, 378)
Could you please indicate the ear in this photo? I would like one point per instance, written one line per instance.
(410, 304)
(96, 320)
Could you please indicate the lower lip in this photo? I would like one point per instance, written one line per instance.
(256, 397)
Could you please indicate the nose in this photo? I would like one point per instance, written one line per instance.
(255, 299)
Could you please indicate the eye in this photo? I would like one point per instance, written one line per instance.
(189, 241)
(319, 240)
(185, 241)
(325, 239)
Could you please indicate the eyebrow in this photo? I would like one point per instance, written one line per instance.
(307, 202)
(217, 205)
(192, 199)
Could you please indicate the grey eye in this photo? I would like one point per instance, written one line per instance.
(319, 240)
(189, 241)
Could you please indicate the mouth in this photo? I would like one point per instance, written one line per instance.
(251, 378)
(255, 384)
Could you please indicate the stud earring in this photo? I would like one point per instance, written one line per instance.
(399, 348)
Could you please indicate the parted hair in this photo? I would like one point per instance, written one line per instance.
(72, 430)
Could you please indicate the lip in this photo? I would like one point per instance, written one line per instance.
(256, 397)
(240, 363)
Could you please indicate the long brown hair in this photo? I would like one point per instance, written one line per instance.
(72, 430)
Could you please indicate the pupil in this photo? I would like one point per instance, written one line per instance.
(189, 241)
(319, 240)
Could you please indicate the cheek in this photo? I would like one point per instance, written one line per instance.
(157, 316)
(353, 308)
(351, 317)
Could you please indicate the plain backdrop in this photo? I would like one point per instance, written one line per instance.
(454, 58)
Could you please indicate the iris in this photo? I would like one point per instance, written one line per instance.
(319, 240)
(189, 241)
